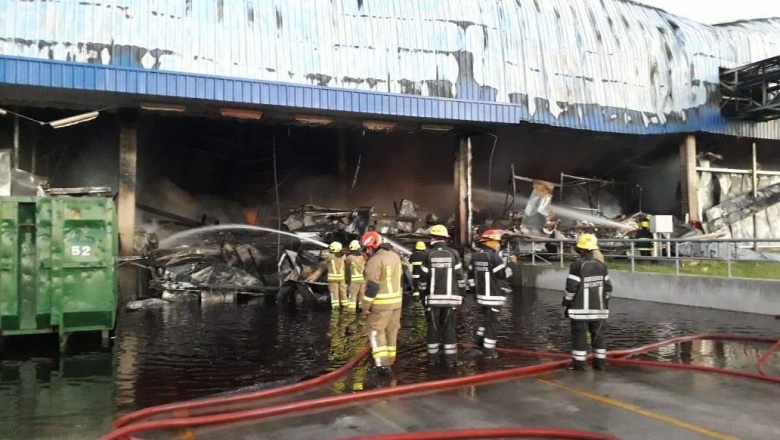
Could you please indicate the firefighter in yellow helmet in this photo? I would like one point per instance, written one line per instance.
(586, 304)
(488, 276)
(442, 286)
(416, 259)
(643, 236)
(337, 285)
(356, 283)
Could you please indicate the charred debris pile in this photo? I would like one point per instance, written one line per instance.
(287, 265)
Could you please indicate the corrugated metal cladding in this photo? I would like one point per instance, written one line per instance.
(605, 65)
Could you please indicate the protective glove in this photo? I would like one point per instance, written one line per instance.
(566, 303)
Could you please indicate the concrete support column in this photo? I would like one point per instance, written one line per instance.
(690, 179)
(16, 150)
(128, 145)
(463, 218)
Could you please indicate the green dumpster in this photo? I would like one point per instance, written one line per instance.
(57, 271)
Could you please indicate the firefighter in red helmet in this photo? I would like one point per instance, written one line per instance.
(382, 300)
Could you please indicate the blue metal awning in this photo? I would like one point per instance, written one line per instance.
(155, 84)
(59, 80)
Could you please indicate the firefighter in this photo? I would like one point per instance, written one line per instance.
(416, 259)
(644, 237)
(337, 285)
(355, 282)
(382, 301)
(442, 286)
(488, 274)
(586, 304)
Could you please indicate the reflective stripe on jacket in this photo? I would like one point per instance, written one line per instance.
(357, 265)
(588, 287)
(383, 274)
(336, 269)
(442, 277)
(488, 273)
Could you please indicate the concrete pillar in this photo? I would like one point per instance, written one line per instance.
(128, 145)
(690, 178)
(463, 217)
(15, 152)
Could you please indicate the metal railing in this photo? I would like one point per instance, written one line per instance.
(690, 256)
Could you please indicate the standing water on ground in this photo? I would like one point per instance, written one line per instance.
(190, 350)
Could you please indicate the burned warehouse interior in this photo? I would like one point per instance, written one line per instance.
(327, 178)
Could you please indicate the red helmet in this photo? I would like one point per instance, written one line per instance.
(491, 235)
(371, 240)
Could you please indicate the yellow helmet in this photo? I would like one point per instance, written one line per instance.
(588, 242)
(440, 231)
(336, 247)
(354, 245)
(645, 224)
(420, 246)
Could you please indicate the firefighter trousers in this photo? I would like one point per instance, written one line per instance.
(355, 295)
(383, 326)
(488, 332)
(579, 336)
(441, 328)
(338, 294)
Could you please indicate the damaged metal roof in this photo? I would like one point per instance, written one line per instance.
(606, 65)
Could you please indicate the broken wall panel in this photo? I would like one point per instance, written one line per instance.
(739, 212)
(568, 63)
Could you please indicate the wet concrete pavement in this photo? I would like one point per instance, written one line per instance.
(192, 350)
(625, 402)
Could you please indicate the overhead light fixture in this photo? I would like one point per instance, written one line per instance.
(3, 112)
(73, 120)
(434, 127)
(241, 113)
(313, 119)
(378, 125)
(162, 107)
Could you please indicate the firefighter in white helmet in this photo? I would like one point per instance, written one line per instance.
(337, 284)
(442, 286)
(356, 283)
(586, 304)
(488, 274)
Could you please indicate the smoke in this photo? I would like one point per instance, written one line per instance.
(165, 195)
(605, 202)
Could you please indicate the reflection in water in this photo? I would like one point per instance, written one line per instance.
(191, 350)
(49, 398)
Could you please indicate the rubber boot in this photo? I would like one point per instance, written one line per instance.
(433, 359)
(386, 371)
(489, 353)
(450, 360)
(376, 371)
(600, 364)
(577, 366)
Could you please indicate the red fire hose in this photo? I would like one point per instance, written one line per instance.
(330, 401)
(615, 357)
(256, 395)
(763, 360)
(491, 433)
